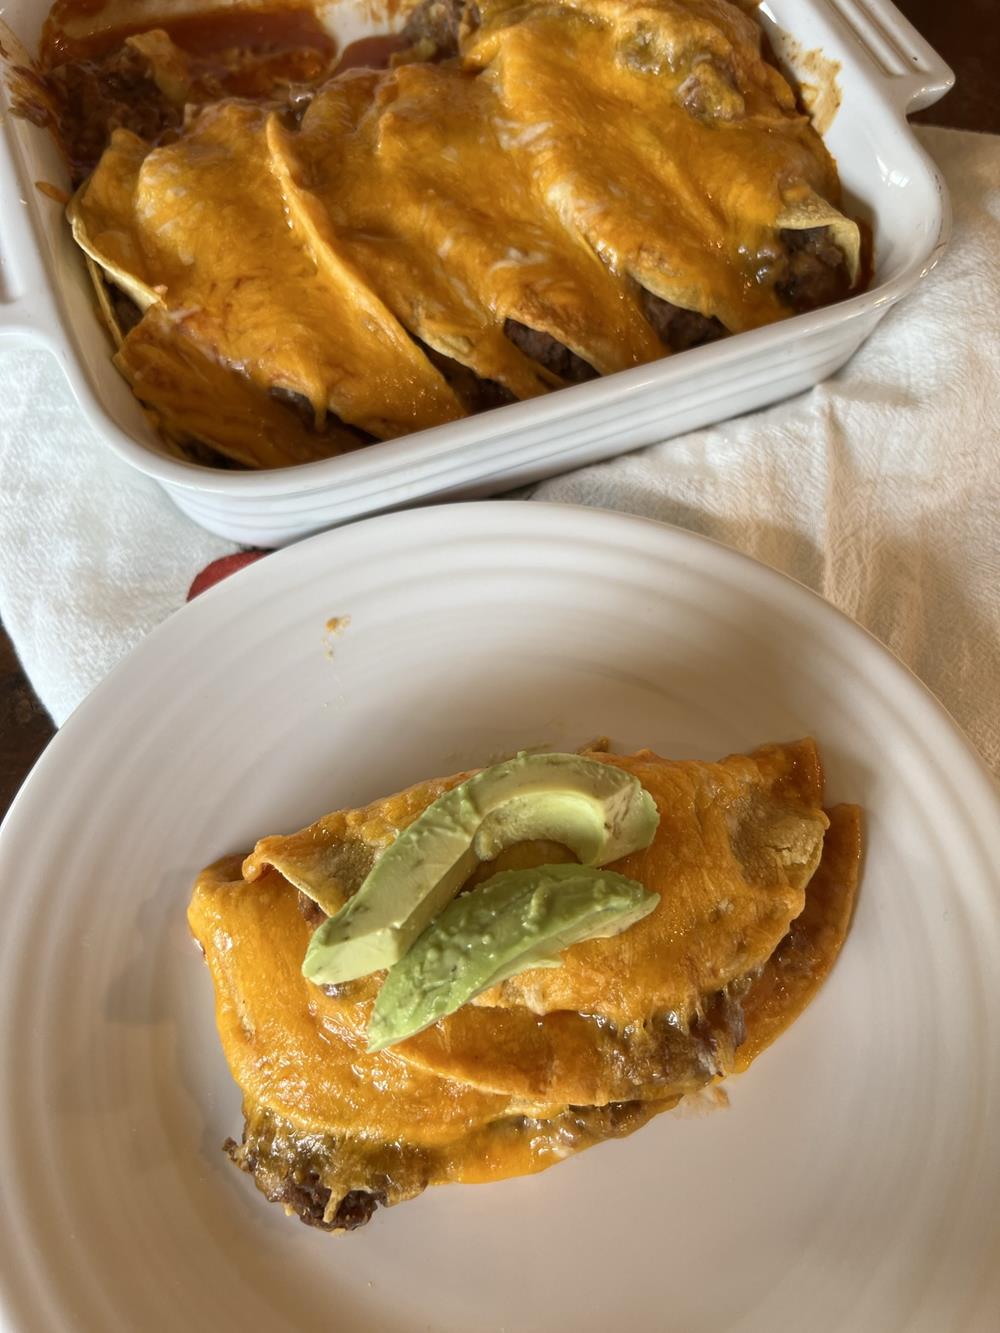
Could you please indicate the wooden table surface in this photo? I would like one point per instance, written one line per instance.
(965, 32)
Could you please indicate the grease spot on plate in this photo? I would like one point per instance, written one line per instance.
(334, 627)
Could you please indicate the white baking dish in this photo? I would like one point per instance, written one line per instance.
(886, 70)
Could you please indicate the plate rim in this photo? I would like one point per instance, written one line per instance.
(245, 578)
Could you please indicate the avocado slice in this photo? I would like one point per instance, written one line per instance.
(515, 920)
(598, 811)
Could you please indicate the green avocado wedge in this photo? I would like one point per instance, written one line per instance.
(515, 920)
(598, 811)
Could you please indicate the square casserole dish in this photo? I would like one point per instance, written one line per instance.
(884, 70)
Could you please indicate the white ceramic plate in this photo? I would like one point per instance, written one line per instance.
(851, 1185)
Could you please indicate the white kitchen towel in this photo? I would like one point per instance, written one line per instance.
(880, 488)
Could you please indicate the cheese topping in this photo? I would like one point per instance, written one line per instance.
(540, 207)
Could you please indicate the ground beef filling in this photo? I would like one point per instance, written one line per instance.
(302, 1192)
(314, 1177)
(474, 393)
(553, 355)
(677, 328)
(312, 912)
(88, 99)
(94, 98)
(303, 408)
(815, 269)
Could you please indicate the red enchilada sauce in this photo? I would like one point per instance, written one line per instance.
(288, 30)
(92, 80)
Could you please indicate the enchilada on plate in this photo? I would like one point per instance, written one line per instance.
(378, 1053)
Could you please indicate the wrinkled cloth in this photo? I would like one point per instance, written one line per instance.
(879, 488)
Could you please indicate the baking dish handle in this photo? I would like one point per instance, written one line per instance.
(916, 75)
(28, 312)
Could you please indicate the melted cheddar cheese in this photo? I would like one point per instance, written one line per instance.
(577, 172)
(756, 885)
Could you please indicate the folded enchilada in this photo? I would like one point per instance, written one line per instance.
(754, 885)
